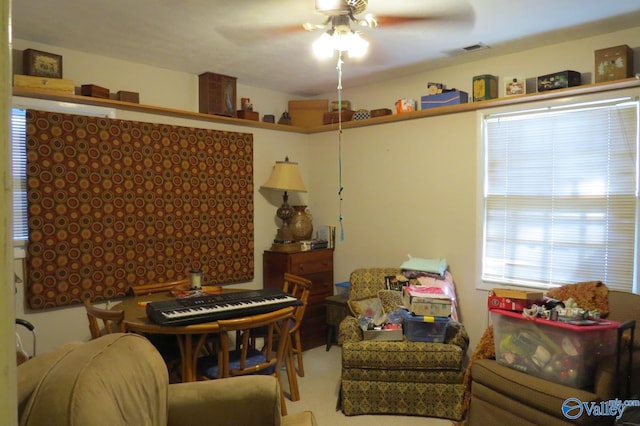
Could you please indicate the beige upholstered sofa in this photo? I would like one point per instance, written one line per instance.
(501, 395)
(399, 377)
(121, 379)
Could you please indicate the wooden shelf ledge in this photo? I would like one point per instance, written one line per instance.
(432, 112)
(112, 103)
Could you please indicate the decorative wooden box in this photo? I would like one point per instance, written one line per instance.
(125, 96)
(379, 112)
(94, 91)
(334, 117)
(217, 94)
(248, 115)
(41, 64)
(56, 85)
(614, 63)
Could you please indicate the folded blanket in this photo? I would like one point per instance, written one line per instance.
(437, 266)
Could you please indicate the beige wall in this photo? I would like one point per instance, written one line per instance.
(410, 187)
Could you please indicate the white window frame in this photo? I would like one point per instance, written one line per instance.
(480, 182)
(19, 245)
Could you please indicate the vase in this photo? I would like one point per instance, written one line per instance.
(301, 223)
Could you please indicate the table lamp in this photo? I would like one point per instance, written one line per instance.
(285, 176)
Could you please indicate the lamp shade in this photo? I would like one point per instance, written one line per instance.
(285, 176)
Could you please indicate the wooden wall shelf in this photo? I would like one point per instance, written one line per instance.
(472, 106)
(112, 103)
(433, 112)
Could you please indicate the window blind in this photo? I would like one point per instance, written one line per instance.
(560, 200)
(19, 174)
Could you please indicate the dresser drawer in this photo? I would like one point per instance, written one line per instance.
(311, 262)
(321, 288)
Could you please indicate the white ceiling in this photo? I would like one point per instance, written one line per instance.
(253, 39)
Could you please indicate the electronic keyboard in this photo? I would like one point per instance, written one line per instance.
(213, 307)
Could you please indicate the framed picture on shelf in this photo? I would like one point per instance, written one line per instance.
(41, 64)
(515, 86)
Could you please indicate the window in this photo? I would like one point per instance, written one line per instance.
(560, 195)
(19, 173)
(19, 155)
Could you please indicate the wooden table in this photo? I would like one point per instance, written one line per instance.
(190, 338)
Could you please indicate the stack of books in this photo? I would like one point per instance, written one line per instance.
(327, 233)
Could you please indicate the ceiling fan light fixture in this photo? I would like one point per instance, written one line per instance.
(323, 46)
(349, 41)
(358, 46)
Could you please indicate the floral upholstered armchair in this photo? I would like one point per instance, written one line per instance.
(399, 377)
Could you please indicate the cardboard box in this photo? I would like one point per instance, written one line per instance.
(389, 335)
(94, 91)
(308, 113)
(518, 294)
(56, 85)
(454, 97)
(512, 300)
(553, 350)
(559, 80)
(420, 328)
(614, 63)
(420, 303)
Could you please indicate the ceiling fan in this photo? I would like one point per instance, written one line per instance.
(341, 14)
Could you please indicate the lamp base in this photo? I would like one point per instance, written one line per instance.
(284, 234)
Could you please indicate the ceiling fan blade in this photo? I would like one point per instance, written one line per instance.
(463, 15)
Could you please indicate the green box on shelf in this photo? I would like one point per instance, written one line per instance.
(485, 87)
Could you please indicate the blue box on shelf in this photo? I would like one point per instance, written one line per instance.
(453, 97)
(418, 328)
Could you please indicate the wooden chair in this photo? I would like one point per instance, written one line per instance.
(167, 345)
(112, 321)
(243, 358)
(300, 288)
(141, 290)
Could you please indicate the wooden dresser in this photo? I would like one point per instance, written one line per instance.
(314, 265)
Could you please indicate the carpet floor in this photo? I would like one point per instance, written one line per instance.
(319, 393)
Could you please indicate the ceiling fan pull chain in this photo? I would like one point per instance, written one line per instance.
(339, 68)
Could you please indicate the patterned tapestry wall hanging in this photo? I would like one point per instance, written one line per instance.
(115, 203)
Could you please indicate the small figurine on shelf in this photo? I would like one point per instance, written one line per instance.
(245, 104)
(285, 118)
